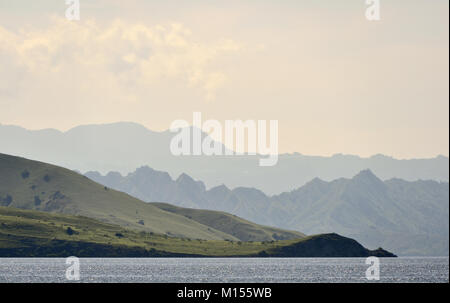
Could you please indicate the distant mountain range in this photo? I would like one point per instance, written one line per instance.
(124, 146)
(410, 218)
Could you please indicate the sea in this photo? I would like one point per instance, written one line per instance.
(218, 270)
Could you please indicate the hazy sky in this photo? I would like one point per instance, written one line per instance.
(336, 82)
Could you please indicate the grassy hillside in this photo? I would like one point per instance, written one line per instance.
(22, 229)
(27, 233)
(230, 224)
(39, 186)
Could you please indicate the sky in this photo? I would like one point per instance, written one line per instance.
(336, 82)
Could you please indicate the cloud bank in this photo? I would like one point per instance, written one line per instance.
(117, 63)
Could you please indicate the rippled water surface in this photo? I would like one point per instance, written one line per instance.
(225, 270)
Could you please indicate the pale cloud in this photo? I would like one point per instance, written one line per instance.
(122, 57)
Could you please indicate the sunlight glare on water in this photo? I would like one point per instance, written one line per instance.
(200, 270)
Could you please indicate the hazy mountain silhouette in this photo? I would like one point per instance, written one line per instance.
(410, 218)
(124, 146)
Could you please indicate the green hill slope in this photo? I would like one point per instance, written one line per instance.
(29, 233)
(33, 185)
(230, 224)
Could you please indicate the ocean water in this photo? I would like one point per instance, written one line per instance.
(245, 270)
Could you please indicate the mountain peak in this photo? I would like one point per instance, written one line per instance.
(150, 175)
(366, 175)
(381, 157)
(187, 181)
(249, 191)
(222, 189)
(145, 171)
(114, 174)
(94, 175)
(184, 177)
(316, 181)
(113, 126)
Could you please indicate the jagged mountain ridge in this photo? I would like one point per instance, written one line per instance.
(411, 218)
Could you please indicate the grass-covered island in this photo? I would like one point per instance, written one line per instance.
(29, 233)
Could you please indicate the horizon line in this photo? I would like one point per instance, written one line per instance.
(296, 153)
